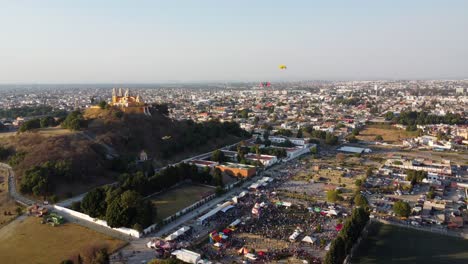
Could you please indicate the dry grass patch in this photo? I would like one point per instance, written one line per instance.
(389, 134)
(26, 240)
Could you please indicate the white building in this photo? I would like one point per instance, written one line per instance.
(265, 160)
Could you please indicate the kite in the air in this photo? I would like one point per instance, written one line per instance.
(283, 67)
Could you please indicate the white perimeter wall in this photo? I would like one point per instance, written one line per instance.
(85, 217)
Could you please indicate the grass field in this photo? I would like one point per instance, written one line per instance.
(29, 241)
(389, 134)
(392, 244)
(170, 202)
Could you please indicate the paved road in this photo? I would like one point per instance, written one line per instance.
(12, 187)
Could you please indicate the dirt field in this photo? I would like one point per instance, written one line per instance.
(7, 205)
(26, 240)
(390, 134)
(168, 203)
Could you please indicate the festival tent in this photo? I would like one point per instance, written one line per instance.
(294, 235)
(317, 209)
(225, 209)
(217, 244)
(327, 248)
(227, 231)
(250, 256)
(243, 251)
(309, 239)
(187, 256)
(338, 227)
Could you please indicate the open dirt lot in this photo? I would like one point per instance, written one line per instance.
(26, 240)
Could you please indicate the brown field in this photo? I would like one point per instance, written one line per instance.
(390, 134)
(26, 240)
(170, 202)
(7, 134)
(7, 205)
(54, 131)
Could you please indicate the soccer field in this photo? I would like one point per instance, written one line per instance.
(392, 244)
(26, 240)
(170, 202)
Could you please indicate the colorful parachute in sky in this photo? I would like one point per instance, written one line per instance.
(283, 67)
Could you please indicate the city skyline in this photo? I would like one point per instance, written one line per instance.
(158, 42)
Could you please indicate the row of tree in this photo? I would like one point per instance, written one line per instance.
(352, 228)
(122, 205)
(413, 118)
(119, 207)
(47, 121)
(198, 134)
(31, 111)
(415, 176)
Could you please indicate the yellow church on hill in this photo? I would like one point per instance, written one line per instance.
(129, 103)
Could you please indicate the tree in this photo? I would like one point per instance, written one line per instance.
(313, 150)
(334, 196)
(299, 133)
(360, 200)
(116, 215)
(218, 156)
(218, 177)
(102, 104)
(18, 210)
(76, 206)
(30, 125)
(389, 115)
(358, 183)
(356, 132)
(378, 138)
(94, 203)
(430, 195)
(331, 139)
(74, 121)
(266, 135)
(130, 199)
(401, 208)
(337, 253)
(47, 121)
(369, 172)
(415, 176)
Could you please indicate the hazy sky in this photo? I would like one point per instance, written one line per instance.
(86, 41)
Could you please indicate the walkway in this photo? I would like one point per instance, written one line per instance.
(12, 187)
